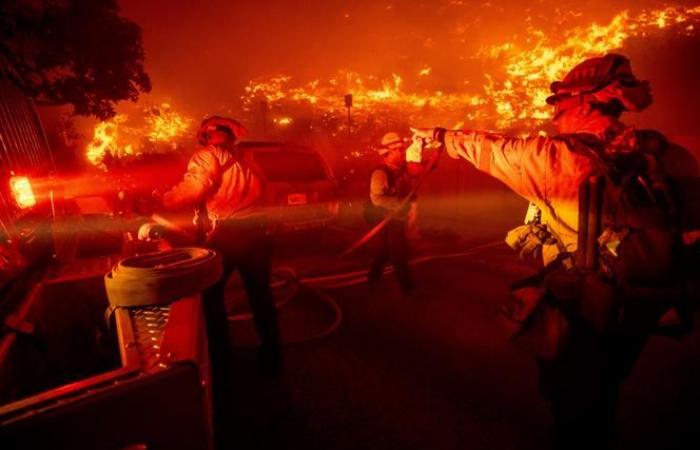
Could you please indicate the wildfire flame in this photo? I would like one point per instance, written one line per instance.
(529, 71)
(371, 96)
(166, 125)
(513, 94)
(517, 76)
(117, 140)
(105, 141)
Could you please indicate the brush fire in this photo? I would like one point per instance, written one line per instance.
(161, 129)
(510, 94)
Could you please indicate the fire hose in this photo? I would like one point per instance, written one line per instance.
(161, 277)
(404, 203)
(164, 276)
(359, 276)
(316, 284)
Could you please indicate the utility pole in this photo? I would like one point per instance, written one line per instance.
(263, 116)
(348, 105)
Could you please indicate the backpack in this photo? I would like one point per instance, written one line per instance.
(629, 212)
(630, 268)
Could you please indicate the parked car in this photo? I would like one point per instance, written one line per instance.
(299, 187)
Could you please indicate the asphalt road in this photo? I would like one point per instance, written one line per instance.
(433, 370)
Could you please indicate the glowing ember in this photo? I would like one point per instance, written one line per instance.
(425, 72)
(283, 121)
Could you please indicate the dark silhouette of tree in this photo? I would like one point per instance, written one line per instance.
(78, 52)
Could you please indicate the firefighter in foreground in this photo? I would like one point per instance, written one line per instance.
(389, 184)
(612, 221)
(227, 196)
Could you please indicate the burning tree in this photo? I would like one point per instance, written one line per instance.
(78, 52)
(119, 141)
(165, 124)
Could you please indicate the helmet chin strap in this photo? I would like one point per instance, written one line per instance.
(219, 138)
(230, 146)
(592, 122)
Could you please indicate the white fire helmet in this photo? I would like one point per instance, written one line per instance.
(391, 140)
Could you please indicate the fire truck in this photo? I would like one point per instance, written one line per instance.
(75, 373)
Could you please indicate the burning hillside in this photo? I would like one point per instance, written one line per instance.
(504, 87)
(512, 93)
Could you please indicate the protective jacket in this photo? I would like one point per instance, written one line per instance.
(548, 171)
(229, 188)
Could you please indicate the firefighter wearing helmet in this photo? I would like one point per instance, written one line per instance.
(608, 212)
(389, 184)
(227, 196)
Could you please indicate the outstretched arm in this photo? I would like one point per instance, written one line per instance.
(521, 163)
(518, 162)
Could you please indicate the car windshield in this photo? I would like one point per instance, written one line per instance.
(290, 166)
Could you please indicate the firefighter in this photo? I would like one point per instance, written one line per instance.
(228, 196)
(607, 215)
(390, 183)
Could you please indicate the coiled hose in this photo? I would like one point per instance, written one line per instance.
(161, 277)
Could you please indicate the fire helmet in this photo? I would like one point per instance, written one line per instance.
(605, 79)
(218, 123)
(390, 140)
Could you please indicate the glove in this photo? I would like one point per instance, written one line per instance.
(151, 231)
(531, 247)
(414, 152)
(428, 135)
(529, 240)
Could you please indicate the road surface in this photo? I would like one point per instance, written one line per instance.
(434, 370)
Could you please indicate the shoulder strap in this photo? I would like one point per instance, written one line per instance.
(222, 169)
(217, 182)
(391, 179)
(227, 165)
(592, 148)
(201, 214)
